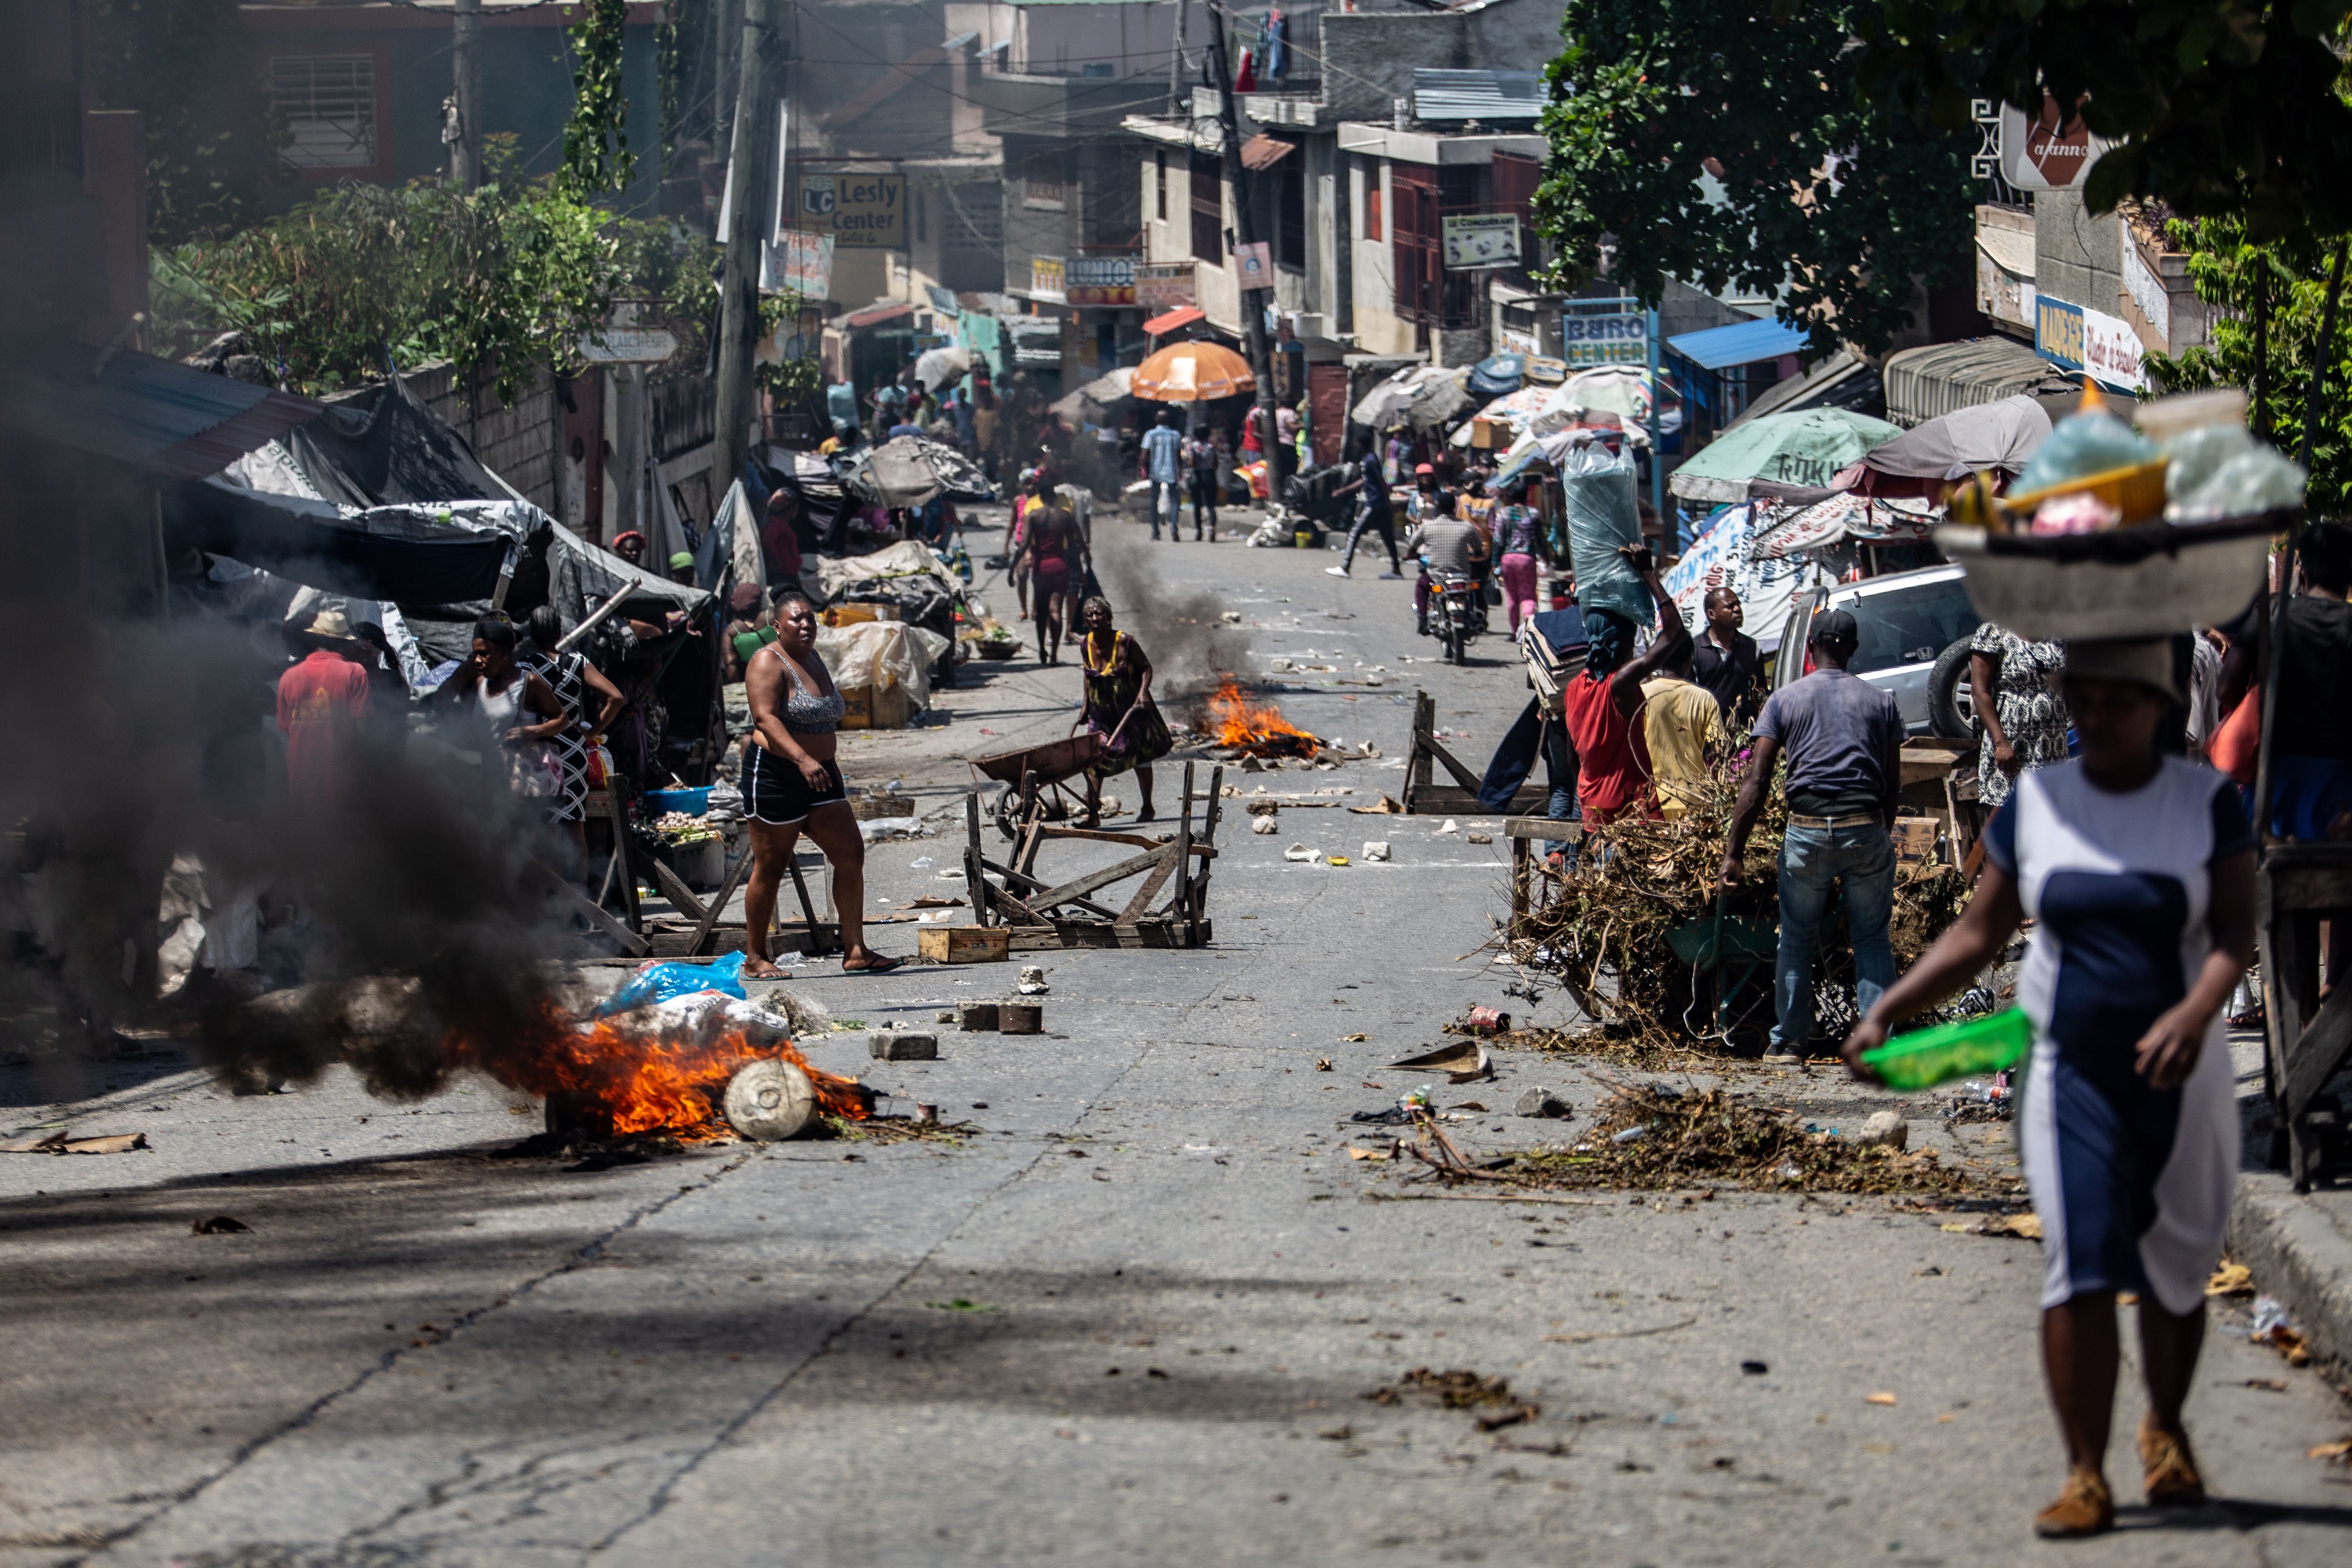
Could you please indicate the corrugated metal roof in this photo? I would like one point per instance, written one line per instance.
(1483, 95)
(165, 417)
(1741, 343)
(1264, 152)
(1925, 382)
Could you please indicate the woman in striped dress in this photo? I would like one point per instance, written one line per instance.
(571, 677)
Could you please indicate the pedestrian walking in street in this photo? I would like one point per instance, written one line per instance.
(1519, 547)
(2025, 721)
(1685, 731)
(1727, 662)
(1604, 739)
(1163, 466)
(2137, 870)
(1118, 707)
(573, 679)
(516, 710)
(1056, 553)
(1842, 737)
(791, 780)
(1200, 469)
(1374, 512)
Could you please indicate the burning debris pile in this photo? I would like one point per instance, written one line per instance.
(1246, 728)
(1644, 939)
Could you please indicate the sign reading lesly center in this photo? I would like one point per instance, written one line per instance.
(862, 212)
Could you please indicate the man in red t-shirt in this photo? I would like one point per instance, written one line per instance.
(319, 700)
(1601, 706)
(780, 541)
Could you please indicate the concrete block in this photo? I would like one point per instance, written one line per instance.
(1886, 1127)
(903, 1045)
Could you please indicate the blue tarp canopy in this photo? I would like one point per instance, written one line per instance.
(1742, 343)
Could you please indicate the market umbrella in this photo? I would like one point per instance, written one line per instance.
(1192, 372)
(1497, 374)
(1805, 447)
(939, 367)
(2000, 435)
(1101, 392)
(1421, 395)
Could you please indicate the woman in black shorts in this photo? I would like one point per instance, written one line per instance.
(791, 779)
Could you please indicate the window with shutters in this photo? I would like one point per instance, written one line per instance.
(1372, 201)
(328, 105)
(1208, 194)
(1425, 291)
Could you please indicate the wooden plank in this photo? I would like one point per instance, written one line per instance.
(1469, 781)
(1145, 894)
(1033, 884)
(2319, 1051)
(1080, 886)
(1064, 934)
(974, 878)
(1444, 800)
(1133, 840)
(628, 875)
(631, 941)
(1917, 764)
(808, 909)
(672, 885)
(717, 906)
(1549, 827)
(784, 936)
(1183, 905)
(2308, 877)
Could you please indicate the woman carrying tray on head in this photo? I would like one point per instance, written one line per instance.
(1119, 708)
(791, 780)
(2139, 871)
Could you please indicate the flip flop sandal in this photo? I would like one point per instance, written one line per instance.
(875, 966)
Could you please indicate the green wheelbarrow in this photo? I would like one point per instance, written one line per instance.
(1734, 945)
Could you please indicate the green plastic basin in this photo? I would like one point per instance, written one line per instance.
(1926, 1058)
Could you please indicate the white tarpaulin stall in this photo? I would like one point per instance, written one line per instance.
(1723, 558)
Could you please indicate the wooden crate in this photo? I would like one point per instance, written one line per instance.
(1915, 837)
(964, 945)
(868, 708)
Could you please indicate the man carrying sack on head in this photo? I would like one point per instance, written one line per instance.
(1843, 739)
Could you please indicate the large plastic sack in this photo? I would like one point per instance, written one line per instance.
(882, 654)
(1602, 516)
(653, 982)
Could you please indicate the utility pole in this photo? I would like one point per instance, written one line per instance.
(1254, 301)
(750, 155)
(1176, 60)
(461, 122)
(727, 56)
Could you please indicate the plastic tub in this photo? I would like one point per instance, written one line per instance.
(693, 802)
(1926, 1058)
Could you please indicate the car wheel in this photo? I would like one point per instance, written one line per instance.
(1951, 697)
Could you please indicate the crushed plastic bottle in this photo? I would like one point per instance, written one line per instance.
(2269, 1312)
(1631, 1134)
(922, 863)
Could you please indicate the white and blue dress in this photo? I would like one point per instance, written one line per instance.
(2132, 1183)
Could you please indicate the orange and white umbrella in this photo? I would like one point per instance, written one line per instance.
(1192, 372)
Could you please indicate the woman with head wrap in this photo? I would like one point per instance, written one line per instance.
(1118, 706)
(2137, 870)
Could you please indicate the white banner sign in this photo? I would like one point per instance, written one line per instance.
(1604, 339)
(1480, 239)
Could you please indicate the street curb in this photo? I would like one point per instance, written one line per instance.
(2297, 1255)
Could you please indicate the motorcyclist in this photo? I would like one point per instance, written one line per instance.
(1446, 546)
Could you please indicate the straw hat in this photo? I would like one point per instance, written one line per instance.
(331, 624)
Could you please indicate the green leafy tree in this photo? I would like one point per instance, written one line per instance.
(2223, 108)
(2284, 286)
(596, 156)
(1724, 145)
(212, 141)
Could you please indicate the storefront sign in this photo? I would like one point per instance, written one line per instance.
(1474, 240)
(861, 212)
(800, 263)
(628, 345)
(1100, 280)
(1254, 264)
(1512, 340)
(1048, 278)
(1164, 285)
(2076, 339)
(1604, 339)
(2052, 152)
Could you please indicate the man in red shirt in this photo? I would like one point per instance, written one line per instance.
(1601, 705)
(319, 701)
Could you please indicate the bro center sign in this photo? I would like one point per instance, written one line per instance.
(860, 211)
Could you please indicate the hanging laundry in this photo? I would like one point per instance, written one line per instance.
(1278, 50)
(1245, 79)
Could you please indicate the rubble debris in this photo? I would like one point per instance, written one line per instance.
(1481, 1021)
(1020, 1017)
(944, 1016)
(1376, 849)
(1462, 1389)
(977, 1016)
(2273, 1327)
(1387, 805)
(1540, 1102)
(1652, 1135)
(903, 1045)
(1033, 980)
(1323, 1064)
(59, 1142)
(767, 1100)
(1265, 827)
(1878, 1399)
(1299, 852)
(1885, 1129)
(896, 1130)
(219, 1224)
(1264, 806)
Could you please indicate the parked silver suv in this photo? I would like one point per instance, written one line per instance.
(1906, 621)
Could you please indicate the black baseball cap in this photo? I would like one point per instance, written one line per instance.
(1834, 627)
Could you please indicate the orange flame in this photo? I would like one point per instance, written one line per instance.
(645, 1080)
(1258, 728)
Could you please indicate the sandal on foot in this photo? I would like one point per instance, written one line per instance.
(2170, 1469)
(878, 964)
(2084, 1508)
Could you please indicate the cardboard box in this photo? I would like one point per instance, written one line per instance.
(1915, 837)
(865, 708)
(964, 945)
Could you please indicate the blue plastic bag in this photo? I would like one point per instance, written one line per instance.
(659, 982)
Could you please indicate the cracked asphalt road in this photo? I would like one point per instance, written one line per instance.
(1138, 1315)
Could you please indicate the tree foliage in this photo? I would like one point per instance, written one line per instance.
(1724, 145)
(212, 141)
(596, 156)
(2287, 281)
(2225, 108)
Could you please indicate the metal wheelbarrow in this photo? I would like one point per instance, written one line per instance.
(1026, 771)
(1733, 947)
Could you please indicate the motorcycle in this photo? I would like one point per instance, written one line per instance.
(1457, 613)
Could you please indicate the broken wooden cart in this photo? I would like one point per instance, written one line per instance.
(1040, 915)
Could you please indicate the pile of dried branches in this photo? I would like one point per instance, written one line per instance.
(1651, 1136)
(1604, 938)
(899, 1130)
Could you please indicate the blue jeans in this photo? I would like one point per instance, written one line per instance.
(1863, 858)
(1163, 491)
(1561, 806)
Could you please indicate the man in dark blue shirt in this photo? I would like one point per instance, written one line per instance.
(1843, 738)
(1374, 511)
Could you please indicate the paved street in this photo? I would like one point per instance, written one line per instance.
(1136, 1316)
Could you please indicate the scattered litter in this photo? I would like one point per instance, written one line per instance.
(1266, 805)
(2231, 1279)
(2023, 1226)
(57, 1143)
(1265, 824)
(944, 1016)
(1450, 827)
(1618, 1334)
(1541, 1102)
(1033, 980)
(660, 981)
(1338, 859)
(1464, 1063)
(1462, 1389)
(2271, 1327)
(2267, 1384)
(875, 829)
(1322, 1064)
(1231, 617)
(2337, 1453)
(922, 863)
(1299, 852)
(1755, 1368)
(1480, 1020)
(1630, 1134)
(1479, 838)
(1376, 849)
(1354, 1039)
(957, 1304)
(1878, 1399)
(219, 1224)
(1387, 805)
(1371, 1154)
